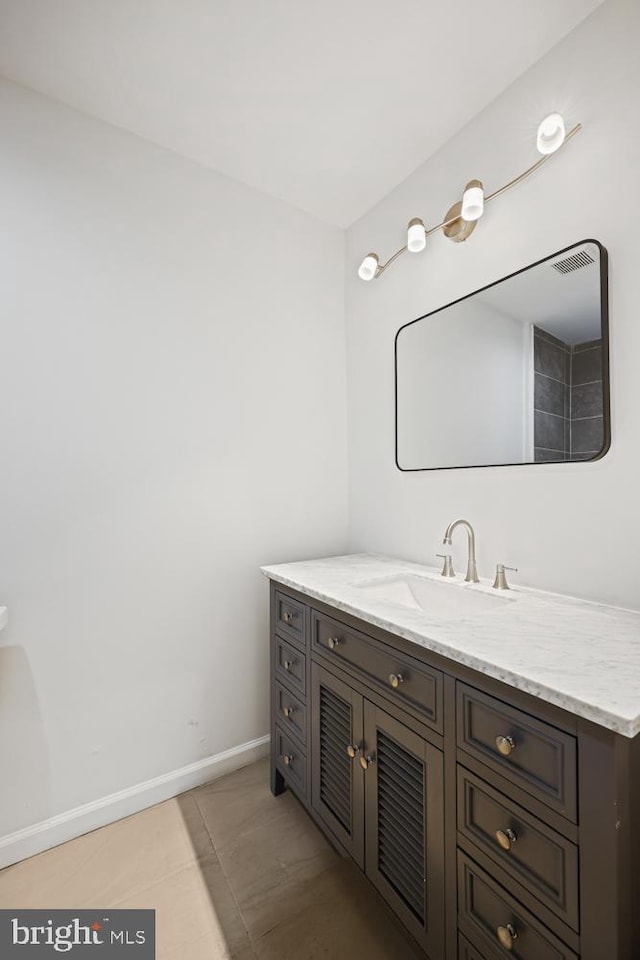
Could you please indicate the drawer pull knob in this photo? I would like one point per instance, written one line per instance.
(287, 664)
(288, 759)
(287, 616)
(506, 838)
(507, 935)
(288, 712)
(505, 745)
(366, 761)
(395, 679)
(353, 751)
(333, 643)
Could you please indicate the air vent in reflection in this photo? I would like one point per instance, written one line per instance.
(575, 262)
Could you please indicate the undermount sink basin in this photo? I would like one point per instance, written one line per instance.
(441, 601)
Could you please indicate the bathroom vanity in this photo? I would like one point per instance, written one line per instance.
(469, 749)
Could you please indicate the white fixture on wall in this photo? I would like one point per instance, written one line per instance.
(473, 201)
(551, 134)
(369, 266)
(416, 235)
(461, 219)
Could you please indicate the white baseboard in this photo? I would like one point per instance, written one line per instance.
(66, 826)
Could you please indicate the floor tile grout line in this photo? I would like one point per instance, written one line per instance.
(255, 939)
(192, 794)
(136, 891)
(224, 874)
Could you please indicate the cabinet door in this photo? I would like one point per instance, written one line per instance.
(405, 825)
(337, 780)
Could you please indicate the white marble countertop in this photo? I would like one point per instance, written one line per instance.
(4, 617)
(581, 656)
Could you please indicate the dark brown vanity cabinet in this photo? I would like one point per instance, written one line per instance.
(337, 778)
(493, 825)
(378, 787)
(404, 825)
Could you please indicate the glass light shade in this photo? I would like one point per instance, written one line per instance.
(473, 201)
(369, 267)
(416, 236)
(551, 134)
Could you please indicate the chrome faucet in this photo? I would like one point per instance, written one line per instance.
(472, 572)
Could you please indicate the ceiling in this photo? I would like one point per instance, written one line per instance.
(566, 305)
(325, 105)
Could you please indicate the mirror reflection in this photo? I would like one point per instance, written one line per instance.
(515, 373)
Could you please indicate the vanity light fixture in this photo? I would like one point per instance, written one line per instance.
(551, 134)
(369, 267)
(461, 219)
(473, 201)
(416, 236)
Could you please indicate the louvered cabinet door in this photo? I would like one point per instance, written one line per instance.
(336, 778)
(405, 825)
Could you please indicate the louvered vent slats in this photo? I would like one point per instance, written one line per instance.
(404, 845)
(401, 854)
(407, 821)
(332, 741)
(573, 262)
(335, 765)
(412, 787)
(339, 777)
(410, 889)
(337, 806)
(333, 730)
(336, 778)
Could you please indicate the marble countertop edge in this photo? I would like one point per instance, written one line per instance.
(625, 722)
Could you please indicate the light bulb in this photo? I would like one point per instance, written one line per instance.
(472, 201)
(416, 236)
(369, 267)
(551, 134)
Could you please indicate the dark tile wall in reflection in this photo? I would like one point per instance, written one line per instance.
(586, 419)
(552, 366)
(568, 412)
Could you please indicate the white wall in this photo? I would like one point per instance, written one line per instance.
(572, 527)
(172, 403)
(474, 407)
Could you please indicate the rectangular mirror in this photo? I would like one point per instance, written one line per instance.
(517, 372)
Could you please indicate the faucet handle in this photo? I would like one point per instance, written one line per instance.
(447, 567)
(500, 582)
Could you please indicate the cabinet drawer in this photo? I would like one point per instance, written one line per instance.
(291, 713)
(490, 918)
(289, 617)
(467, 952)
(543, 861)
(408, 682)
(291, 760)
(531, 753)
(290, 666)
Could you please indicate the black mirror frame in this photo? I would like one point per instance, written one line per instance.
(606, 388)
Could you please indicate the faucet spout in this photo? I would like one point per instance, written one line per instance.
(472, 570)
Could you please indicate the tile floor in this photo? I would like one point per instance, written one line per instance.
(231, 871)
